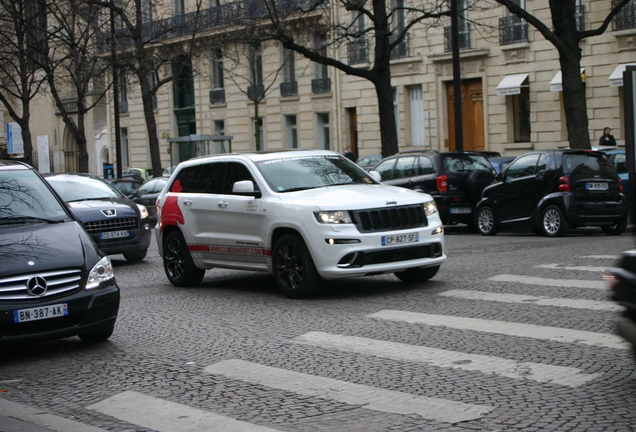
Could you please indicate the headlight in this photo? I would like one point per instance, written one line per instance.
(143, 210)
(430, 208)
(333, 217)
(101, 272)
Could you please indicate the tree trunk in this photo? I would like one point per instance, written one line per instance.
(257, 130)
(23, 122)
(149, 116)
(80, 138)
(388, 130)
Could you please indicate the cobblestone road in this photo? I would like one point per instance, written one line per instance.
(515, 333)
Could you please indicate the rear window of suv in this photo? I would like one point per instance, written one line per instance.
(466, 163)
(586, 163)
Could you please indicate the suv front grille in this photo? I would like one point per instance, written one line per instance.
(389, 219)
(111, 225)
(59, 281)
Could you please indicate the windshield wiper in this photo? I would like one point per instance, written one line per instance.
(23, 219)
(299, 188)
(91, 199)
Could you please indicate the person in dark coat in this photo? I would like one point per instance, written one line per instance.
(607, 139)
(349, 154)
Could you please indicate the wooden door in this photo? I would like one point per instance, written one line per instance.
(353, 130)
(472, 115)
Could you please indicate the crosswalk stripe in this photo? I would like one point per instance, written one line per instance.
(372, 398)
(537, 300)
(579, 268)
(564, 283)
(567, 376)
(507, 328)
(165, 416)
(613, 257)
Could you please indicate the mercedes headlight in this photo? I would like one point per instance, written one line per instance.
(101, 272)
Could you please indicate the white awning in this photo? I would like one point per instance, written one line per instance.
(556, 83)
(511, 84)
(616, 78)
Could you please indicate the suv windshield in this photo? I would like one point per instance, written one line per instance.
(466, 163)
(24, 197)
(585, 163)
(307, 172)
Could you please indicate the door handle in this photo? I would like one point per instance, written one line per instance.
(187, 202)
(222, 204)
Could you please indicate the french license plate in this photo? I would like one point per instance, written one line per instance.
(596, 186)
(39, 313)
(114, 234)
(400, 239)
(460, 210)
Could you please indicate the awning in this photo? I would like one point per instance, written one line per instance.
(511, 84)
(616, 78)
(556, 83)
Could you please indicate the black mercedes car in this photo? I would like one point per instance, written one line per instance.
(116, 223)
(54, 281)
(551, 191)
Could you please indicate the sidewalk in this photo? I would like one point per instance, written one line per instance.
(16, 417)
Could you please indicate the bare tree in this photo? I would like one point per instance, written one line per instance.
(22, 41)
(566, 37)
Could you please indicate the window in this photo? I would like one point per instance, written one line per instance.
(417, 115)
(291, 132)
(146, 10)
(321, 71)
(399, 15)
(123, 92)
(289, 65)
(256, 64)
(206, 178)
(323, 131)
(425, 166)
(235, 172)
(405, 167)
(513, 29)
(217, 69)
(357, 49)
(219, 127)
(179, 7)
(521, 115)
(125, 151)
(396, 111)
(214, 3)
(522, 167)
(385, 169)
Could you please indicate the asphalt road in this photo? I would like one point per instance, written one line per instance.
(515, 333)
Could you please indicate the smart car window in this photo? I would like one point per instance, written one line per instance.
(522, 167)
(542, 164)
(23, 194)
(234, 172)
(585, 163)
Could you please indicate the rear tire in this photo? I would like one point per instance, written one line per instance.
(178, 264)
(417, 274)
(553, 224)
(617, 229)
(135, 256)
(486, 221)
(294, 270)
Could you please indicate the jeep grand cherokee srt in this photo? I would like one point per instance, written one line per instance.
(302, 215)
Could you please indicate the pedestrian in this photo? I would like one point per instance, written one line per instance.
(349, 154)
(607, 139)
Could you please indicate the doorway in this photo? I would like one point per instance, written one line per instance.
(472, 115)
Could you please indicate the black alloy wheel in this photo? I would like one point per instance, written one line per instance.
(178, 264)
(294, 270)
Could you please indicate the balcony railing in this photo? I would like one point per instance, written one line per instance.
(256, 92)
(579, 15)
(217, 96)
(289, 88)
(358, 51)
(70, 107)
(512, 29)
(401, 50)
(626, 18)
(321, 85)
(464, 38)
(228, 14)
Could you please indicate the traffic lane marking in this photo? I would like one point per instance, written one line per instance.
(563, 283)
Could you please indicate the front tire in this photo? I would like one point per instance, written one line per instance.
(135, 256)
(417, 274)
(617, 229)
(294, 270)
(553, 224)
(486, 221)
(178, 264)
(98, 336)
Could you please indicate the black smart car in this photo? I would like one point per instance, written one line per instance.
(116, 223)
(551, 191)
(54, 281)
(454, 180)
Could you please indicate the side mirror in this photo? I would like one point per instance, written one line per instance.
(245, 188)
(376, 175)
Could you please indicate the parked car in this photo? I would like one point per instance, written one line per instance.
(500, 163)
(54, 282)
(553, 190)
(126, 185)
(304, 216)
(455, 180)
(147, 195)
(489, 154)
(167, 172)
(116, 223)
(368, 162)
(144, 173)
(619, 161)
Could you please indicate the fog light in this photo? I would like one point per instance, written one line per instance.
(438, 230)
(333, 241)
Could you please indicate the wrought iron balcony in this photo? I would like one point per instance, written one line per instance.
(464, 38)
(256, 92)
(626, 18)
(70, 107)
(401, 50)
(321, 85)
(512, 29)
(358, 51)
(217, 96)
(289, 88)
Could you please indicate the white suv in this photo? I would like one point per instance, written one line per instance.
(302, 215)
